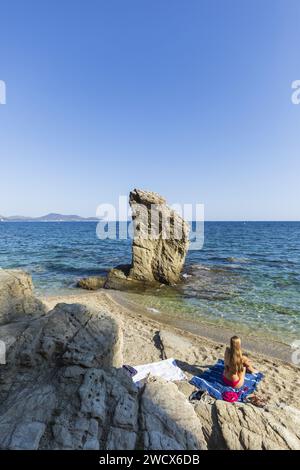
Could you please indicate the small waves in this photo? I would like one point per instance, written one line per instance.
(64, 268)
(246, 273)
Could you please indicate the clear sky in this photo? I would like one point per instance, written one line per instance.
(189, 98)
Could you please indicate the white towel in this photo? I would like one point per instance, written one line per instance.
(166, 369)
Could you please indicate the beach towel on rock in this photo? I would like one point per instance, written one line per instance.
(211, 381)
(166, 369)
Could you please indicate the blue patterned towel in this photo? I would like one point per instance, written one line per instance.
(211, 381)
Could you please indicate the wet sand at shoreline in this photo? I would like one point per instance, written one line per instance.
(256, 343)
(253, 342)
(146, 340)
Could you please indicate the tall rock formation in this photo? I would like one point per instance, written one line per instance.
(160, 242)
(161, 239)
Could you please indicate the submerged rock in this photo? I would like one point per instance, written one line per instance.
(91, 283)
(119, 278)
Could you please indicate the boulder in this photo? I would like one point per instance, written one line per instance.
(91, 283)
(71, 408)
(161, 239)
(119, 278)
(239, 426)
(71, 334)
(16, 296)
(169, 421)
(60, 389)
(103, 415)
(160, 243)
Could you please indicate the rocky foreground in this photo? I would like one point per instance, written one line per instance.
(63, 386)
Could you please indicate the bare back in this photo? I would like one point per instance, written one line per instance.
(233, 375)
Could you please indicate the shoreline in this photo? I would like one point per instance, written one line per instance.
(146, 339)
(269, 348)
(219, 334)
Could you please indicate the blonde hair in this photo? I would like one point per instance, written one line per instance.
(235, 355)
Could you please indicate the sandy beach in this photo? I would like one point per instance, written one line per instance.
(146, 339)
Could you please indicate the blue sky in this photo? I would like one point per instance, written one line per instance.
(191, 99)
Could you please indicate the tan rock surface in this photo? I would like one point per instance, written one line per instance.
(16, 296)
(62, 386)
(91, 283)
(160, 244)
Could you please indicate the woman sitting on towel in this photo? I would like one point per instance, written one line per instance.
(236, 365)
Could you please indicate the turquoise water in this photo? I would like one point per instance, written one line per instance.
(247, 273)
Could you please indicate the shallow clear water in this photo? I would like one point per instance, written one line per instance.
(247, 273)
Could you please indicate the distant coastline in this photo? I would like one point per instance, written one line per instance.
(55, 217)
(52, 217)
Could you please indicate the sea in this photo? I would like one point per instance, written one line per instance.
(247, 275)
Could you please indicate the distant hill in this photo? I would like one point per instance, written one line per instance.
(52, 217)
(63, 218)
